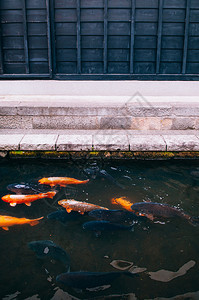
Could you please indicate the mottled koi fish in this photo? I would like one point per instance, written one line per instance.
(26, 199)
(7, 221)
(61, 181)
(153, 210)
(81, 207)
(122, 201)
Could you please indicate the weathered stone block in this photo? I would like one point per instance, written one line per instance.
(38, 142)
(183, 123)
(76, 142)
(9, 110)
(32, 111)
(153, 123)
(187, 110)
(10, 141)
(110, 142)
(146, 143)
(15, 122)
(181, 142)
(151, 110)
(64, 122)
(115, 122)
(83, 111)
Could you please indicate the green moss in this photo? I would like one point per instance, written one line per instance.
(20, 153)
(153, 155)
(94, 153)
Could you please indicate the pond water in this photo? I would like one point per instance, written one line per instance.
(164, 252)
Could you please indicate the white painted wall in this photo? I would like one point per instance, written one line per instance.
(99, 88)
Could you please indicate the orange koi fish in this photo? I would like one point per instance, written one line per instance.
(122, 201)
(26, 199)
(78, 206)
(7, 221)
(61, 181)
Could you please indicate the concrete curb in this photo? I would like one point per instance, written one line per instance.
(94, 142)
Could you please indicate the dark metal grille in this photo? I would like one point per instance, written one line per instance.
(99, 39)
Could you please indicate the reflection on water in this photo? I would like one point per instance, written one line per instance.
(10, 297)
(166, 276)
(151, 250)
(121, 264)
(187, 296)
(61, 295)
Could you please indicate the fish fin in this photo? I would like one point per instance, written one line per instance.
(81, 212)
(62, 184)
(5, 228)
(150, 217)
(28, 203)
(13, 204)
(68, 210)
(35, 222)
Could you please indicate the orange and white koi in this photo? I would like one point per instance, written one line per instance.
(7, 221)
(122, 201)
(78, 206)
(26, 199)
(61, 181)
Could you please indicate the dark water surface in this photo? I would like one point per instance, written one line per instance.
(172, 245)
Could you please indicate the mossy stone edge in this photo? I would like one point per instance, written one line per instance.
(153, 155)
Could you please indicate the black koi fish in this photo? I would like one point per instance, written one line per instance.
(49, 250)
(152, 210)
(24, 188)
(99, 226)
(114, 215)
(83, 280)
(95, 172)
(64, 217)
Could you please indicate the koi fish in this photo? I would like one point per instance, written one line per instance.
(63, 217)
(114, 215)
(84, 280)
(61, 181)
(95, 172)
(49, 250)
(152, 210)
(99, 226)
(26, 199)
(81, 207)
(24, 188)
(122, 202)
(7, 221)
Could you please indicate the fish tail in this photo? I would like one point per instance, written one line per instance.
(35, 221)
(122, 201)
(42, 180)
(194, 221)
(85, 181)
(51, 194)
